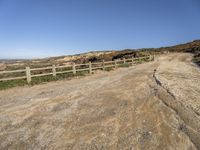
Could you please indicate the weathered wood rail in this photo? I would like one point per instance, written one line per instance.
(74, 68)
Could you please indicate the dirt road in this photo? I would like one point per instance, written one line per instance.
(155, 105)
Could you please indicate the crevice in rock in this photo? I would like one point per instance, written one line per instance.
(160, 84)
(190, 123)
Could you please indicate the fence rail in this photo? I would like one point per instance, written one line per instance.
(29, 72)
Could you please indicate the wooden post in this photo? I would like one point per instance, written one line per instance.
(124, 60)
(54, 70)
(28, 74)
(74, 68)
(132, 59)
(103, 63)
(115, 64)
(90, 67)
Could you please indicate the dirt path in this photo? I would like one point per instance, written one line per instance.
(149, 106)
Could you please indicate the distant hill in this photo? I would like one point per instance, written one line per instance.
(191, 47)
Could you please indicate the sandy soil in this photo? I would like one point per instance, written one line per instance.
(155, 105)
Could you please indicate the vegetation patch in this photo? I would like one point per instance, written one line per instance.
(12, 83)
(124, 65)
(109, 68)
(196, 59)
(38, 80)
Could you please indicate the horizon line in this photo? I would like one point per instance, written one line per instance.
(91, 51)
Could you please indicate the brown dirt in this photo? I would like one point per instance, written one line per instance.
(155, 105)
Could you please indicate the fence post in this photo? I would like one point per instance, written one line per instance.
(124, 60)
(132, 60)
(103, 63)
(115, 64)
(54, 70)
(90, 67)
(28, 74)
(74, 68)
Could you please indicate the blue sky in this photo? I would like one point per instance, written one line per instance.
(42, 28)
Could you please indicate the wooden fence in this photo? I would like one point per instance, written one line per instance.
(74, 68)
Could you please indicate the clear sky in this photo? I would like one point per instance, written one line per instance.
(41, 28)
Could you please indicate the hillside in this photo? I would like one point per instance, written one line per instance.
(192, 47)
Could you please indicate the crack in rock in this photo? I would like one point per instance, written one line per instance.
(188, 117)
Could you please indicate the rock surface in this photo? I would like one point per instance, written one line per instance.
(151, 106)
